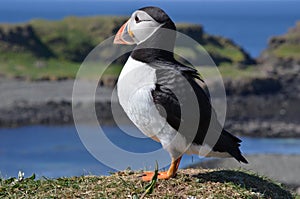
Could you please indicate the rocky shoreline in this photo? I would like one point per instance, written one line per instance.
(252, 108)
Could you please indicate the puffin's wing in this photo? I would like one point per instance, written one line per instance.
(172, 94)
(167, 104)
(169, 79)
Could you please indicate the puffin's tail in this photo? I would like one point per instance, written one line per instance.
(230, 144)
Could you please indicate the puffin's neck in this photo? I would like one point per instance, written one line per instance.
(148, 55)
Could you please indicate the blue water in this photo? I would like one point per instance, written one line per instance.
(249, 23)
(55, 151)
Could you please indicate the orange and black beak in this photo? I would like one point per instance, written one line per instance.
(124, 35)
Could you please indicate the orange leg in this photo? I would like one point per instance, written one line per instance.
(166, 174)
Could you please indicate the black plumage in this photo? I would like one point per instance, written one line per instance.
(172, 75)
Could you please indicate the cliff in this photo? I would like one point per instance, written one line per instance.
(73, 38)
(283, 52)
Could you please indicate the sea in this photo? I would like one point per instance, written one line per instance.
(56, 151)
(249, 23)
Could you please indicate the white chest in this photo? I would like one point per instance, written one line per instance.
(135, 83)
(136, 78)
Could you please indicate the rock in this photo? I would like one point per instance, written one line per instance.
(265, 128)
(275, 42)
(257, 86)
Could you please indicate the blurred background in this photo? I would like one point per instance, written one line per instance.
(255, 44)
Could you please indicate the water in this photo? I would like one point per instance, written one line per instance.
(55, 151)
(249, 23)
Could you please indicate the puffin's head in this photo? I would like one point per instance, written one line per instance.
(144, 24)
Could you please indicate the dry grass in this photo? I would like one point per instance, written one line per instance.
(189, 183)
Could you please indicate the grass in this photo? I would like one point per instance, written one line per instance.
(58, 69)
(73, 37)
(39, 69)
(288, 51)
(228, 71)
(231, 72)
(227, 51)
(231, 54)
(28, 67)
(54, 69)
(200, 183)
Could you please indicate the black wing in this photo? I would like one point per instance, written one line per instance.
(167, 104)
(171, 80)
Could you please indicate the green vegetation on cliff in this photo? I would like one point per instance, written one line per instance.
(283, 50)
(55, 49)
(289, 51)
(222, 50)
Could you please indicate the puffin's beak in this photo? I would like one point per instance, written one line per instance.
(124, 35)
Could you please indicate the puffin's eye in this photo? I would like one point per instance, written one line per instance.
(137, 19)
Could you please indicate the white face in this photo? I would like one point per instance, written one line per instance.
(141, 26)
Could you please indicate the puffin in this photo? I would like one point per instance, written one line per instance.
(166, 99)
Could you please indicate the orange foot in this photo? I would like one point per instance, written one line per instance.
(148, 175)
